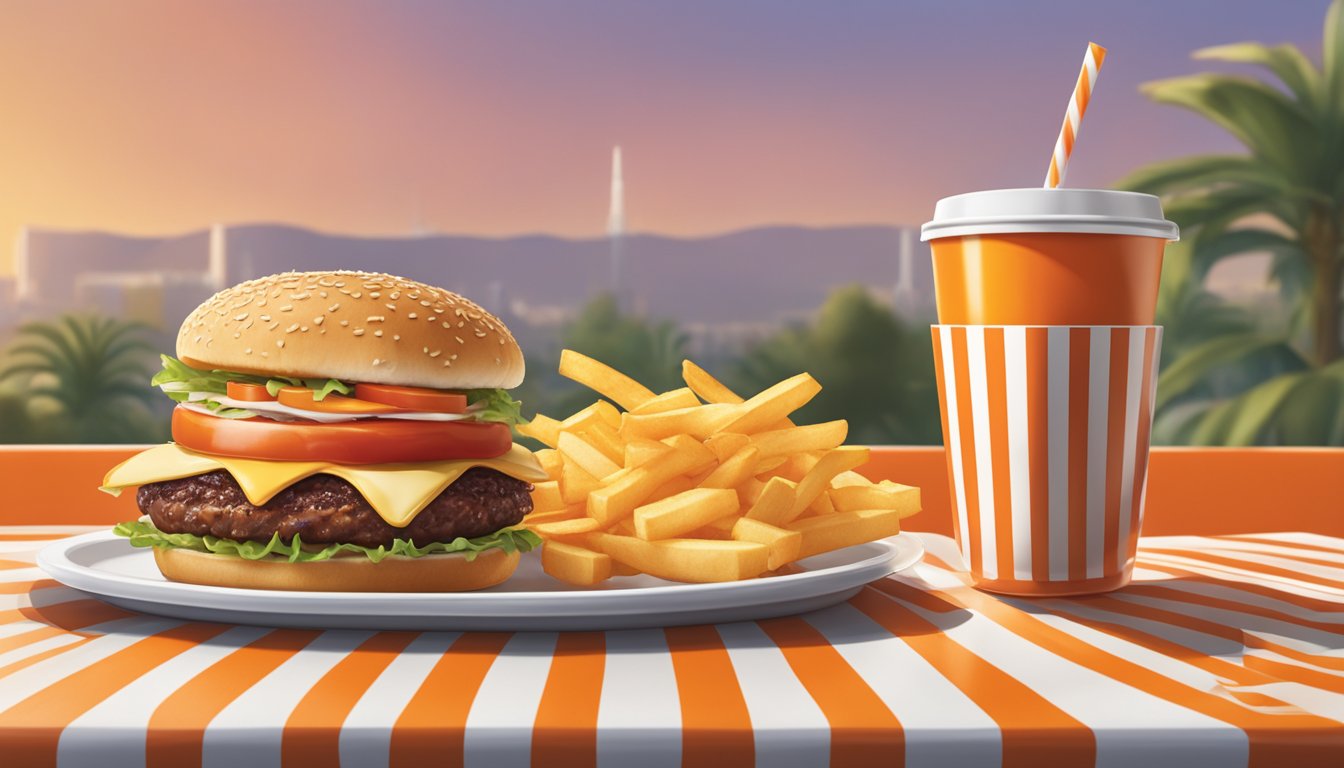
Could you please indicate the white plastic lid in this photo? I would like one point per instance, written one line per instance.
(1100, 211)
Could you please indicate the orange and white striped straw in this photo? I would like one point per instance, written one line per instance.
(1068, 133)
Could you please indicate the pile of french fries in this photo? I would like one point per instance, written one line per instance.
(698, 484)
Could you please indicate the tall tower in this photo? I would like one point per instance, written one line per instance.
(616, 226)
(219, 257)
(23, 278)
(905, 273)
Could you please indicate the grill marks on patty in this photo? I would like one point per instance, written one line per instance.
(324, 509)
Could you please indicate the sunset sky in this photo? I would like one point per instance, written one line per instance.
(498, 118)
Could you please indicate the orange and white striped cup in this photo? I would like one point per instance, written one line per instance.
(1047, 362)
(1047, 429)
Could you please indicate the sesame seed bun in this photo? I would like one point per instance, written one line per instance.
(353, 326)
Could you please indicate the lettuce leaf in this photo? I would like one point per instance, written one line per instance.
(497, 405)
(143, 533)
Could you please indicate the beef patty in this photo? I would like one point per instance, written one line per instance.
(324, 509)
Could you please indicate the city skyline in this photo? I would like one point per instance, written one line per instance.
(385, 119)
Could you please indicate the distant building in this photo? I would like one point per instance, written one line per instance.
(160, 300)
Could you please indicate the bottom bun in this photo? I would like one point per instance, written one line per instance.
(430, 573)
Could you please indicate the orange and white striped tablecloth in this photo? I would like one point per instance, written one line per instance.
(1225, 651)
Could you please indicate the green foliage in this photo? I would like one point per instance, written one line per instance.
(1225, 381)
(79, 379)
(874, 370)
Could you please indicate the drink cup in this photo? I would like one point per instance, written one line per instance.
(1046, 356)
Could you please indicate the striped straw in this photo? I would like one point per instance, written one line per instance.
(1068, 133)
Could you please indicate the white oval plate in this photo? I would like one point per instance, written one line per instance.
(105, 565)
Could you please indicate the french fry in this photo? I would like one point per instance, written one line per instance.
(775, 502)
(849, 478)
(669, 401)
(710, 389)
(796, 466)
(576, 483)
(720, 529)
(641, 451)
(683, 513)
(678, 484)
(606, 439)
(569, 527)
(603, 379)
(904, 499)
(821, 505)
(601, 411)
(543, 429)
(617, 500)
(583, 453)
(812, 437)
(819, 477)
(784, 544)
(687, 559)
(546, 496)
(734, 471)
(845, 529)
(767, 408)
(749, 491)
(574, 565)
(725, 444)
(550, 461)
(567, 513)
(699, 422)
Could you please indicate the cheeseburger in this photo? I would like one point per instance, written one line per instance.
(337, 431)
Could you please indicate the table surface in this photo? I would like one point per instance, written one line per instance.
(1225, 651)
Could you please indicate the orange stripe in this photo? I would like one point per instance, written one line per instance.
(1259, 568)
(914, 595)
(31, 728)
(1067, 133)
(962, 381)
(565, 731)
(1098, 54)
(311, 735)
(1334, 663)
(1263, 590)
(13, 667)
(20, 587)
(1167, 593)
(1034, 731)
(715, 725)
(9, 565)
(35, 536)
(1280, 543)
(1292, 672)
(432, 727)
(1038, 423)
(1080, 344)
(73, 615)
(1279, 739)
(1141, 443)
(1053, 175)
(1083, 89)
(1115, 446)
(1294, 556)
(942, 411)
(996, 382)
(176, 730)
(863, 731)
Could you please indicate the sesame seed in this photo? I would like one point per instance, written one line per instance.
(318, 320)
(498, 361)
(376, 361)
(197, 340)
(303, 329)
(461, 323)
(425, 302)
(447, 325)
(396, 337)
(480, 334)
(344, 323)
(378, 333)
(273, 326)
(287, 308)
(264, 353)
(376, 318)
(340, 284)
(261, 303)
(501, 341)
(359, 331)
(237, 335)
(357, 294)
(432, 318)
(411, 315)
(374, 294)
(334, 307)
(453, 356)
(280, 343)
(242, 316)
(247, 351)
(248, 324)
(425, 350)
(292, 328)
(299, 296)
(322, 294)
(391, 306)
(266, 318)
(436, 353)
(459, 340)
(447, 363)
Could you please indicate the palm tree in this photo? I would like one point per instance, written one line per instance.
(83, 378)
(1285, 196)
(875, 371)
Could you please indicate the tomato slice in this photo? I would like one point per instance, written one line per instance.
(254, 393)
(413, 398)
(373, 441)
(301, 397)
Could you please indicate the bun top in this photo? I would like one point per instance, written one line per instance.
(352, 326)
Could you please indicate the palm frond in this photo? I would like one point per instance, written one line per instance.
(1197, 364)
(1287, 63)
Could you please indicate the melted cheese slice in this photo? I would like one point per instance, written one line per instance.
(397, 492)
